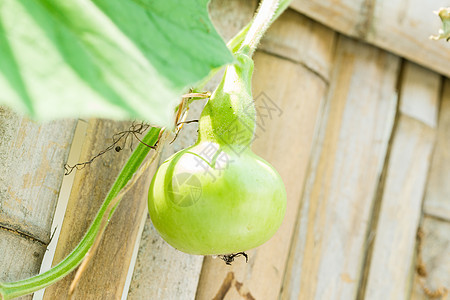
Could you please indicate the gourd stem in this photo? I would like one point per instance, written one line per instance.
(235, 43)
(260, 23)
(246, 41)
(9, 290)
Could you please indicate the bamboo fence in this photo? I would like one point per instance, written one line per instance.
(353, 103)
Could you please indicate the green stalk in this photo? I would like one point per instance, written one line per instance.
(235, 43)
(259, 26)
(9, 290)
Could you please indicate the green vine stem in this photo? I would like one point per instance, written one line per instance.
(235, 43)
(9, 290)
(247, 39)
(260, 23)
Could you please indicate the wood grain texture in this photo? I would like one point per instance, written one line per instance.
(437, 201)
(435, 254)
(328, 245)
(106, 274)
(345, 16)
(420, 94)
(404, 28)
(399, 26)
(436, 223)
(32, 167)
(404, 186)
(295, 37)
(20, 258)
(32, 157)
(295, 94)
(161, 272)
(24, 260)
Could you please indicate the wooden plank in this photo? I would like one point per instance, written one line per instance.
(23, 260)
(435, 245)
(420, 92)
(436, 258)
(32, 159)
(60, 210)
(404, 186)
(345, 16)
(297, 94)
(162, 272)
(105, 276)
(401, 27)
(328, 247)
(309, 48)
(404, 27)
(437, 201)
(32, 156)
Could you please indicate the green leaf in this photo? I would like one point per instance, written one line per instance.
(444, 33)
(118, 59)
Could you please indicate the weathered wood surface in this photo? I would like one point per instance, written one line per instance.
(66, 187)
(435, 246)
(297, 38)
(401, 27)
(32, 156)
(21, 256)
(294, 95)
(328, 246)
(341, 212)
(162, 272)
(391, 261)
(437, 202)
(436, 258)
(105, 276)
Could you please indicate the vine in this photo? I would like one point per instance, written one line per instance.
(246, 41)
(117, 145)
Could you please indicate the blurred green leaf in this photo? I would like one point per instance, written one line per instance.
(118, 59)
(444, 33)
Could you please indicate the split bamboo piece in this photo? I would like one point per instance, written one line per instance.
(32, 157)
(106, 274)
(435, 245)
(327, 251)
(390, 263)
(437, 202)
(401, 27)
(435, 249)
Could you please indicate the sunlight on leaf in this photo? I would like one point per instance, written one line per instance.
(119, 59)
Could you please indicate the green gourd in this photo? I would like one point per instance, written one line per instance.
(217, 197)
